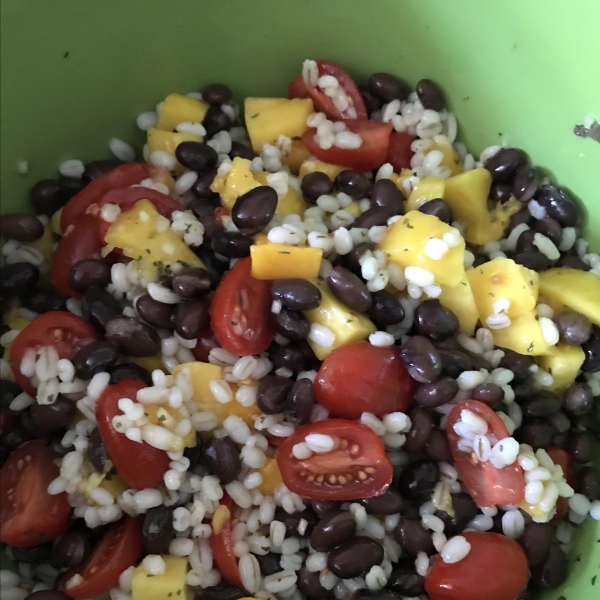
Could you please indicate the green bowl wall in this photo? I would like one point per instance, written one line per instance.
(76, 73)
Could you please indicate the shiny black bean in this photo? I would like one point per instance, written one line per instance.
(518, 364)
(581, 445)
(372, 102)
(541, 404)
(536, 541)
(332, 530)
(549, 574)
(292, 521)
(525, 242)
(288, 357)
(221, 591)
(353, 257)
(437, 208)
(389, 503)
(21, 227)
(153, 312)
(49, 418)
(406, 581)
(291, 324)
(558, 205)
(386, 194)
(465, 510)
(314, 185)
(526, 183)
(310, 585)
(421, 426)
(521, 216)
(501, 192)
(588, 482)
(47, 595)
(71, 550)
(387, 87)
(300, 401)
(133, 337)
(9, 390)
(421, 359)
(98, 168)
(272, 393)
(129, 371)
(41, 300)
(46, 197)
(56, 446)
(430, 95)
(418, 479)
(216, 94)
(536, 261)
(524, 389)
(238, 149)
(201, 188)
(591, 349)
(537, 434)
(191, 282)
(375, 216)
(11, 440)
(18, 278)
(95, 357)
(573, 327)
(87, 273)
(560, 422)
(268, 563)
(384, 594)
(355, 557)
(221, 457)
(454, 362)
(98, 307)
(435, 321)
(296, 294)
(254, 210)
(33, 554)
(353, 183)
(216, 120)
(436, 393)
(504, 164)
(578, 398)
(191, 317)
(324, 507)
(70, 186)
(195, 453)
(96, 451)
(386, 309)
(488, 393)
(571, 262)
(158, 530)
(437, 447)
(349, 289)
(232, 244)
(196, 156)
(550, 228)
(413, 537)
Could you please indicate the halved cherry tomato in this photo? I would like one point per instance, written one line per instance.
(360, 377)
(118, 550)
(29, 515)
(139, 464)
(357, 467)
(79, 241)
(121, 177)
(487, 485)
(399, 152)
(240, 310)
(66, 332)
(323, 103)
(370, 156)
(494, 569)
(221, 545)
(297, 88)
(562, 458)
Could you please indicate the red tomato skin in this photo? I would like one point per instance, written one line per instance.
(79, 241)
(494, 569)
(297, 88)
(119, 549)
(562, 458)
(399, 151)
(140, 465)
(221, 545)
(227, 316)
(360, 377)
(371, 454)
(29, 516)
(370, 156)
(50, 329)
(487, 485)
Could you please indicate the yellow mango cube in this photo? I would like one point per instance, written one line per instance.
(167, 141)
(271, 477)
(460, 300)
(405, 242)
(150, 363)
(156, 415)
(354, 209)
(524, 336)
(400, 178)
(178, 108)
(579, 290)
(451, 158)
(298, 154)
(281, 261)
(268, 118)
(563, 362)
(239, 180)
(171, 584)
(45, 243)
(291, 204)
(313, 165)
(427, 189)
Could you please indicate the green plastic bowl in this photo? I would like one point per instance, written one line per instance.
(75, 74)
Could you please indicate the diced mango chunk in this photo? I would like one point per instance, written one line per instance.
(271, 477)
(157, 252)
(150, 363)
(427, 189)
(181, 109)
(313, 165)
(45, 243)
(167, 141)
(171, 584)
(298, 154)
(166, 416)
(291, 204)
(400, 178)
(14, 320)
(268, 118)
(347, 326)
(459, 299)
(239, 180)
(281, 261)
(524, 336)
(451, 158)
(55, 222)
(579, 290)
(405, 243)
(563, 362)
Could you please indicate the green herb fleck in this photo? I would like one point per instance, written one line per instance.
(162, 418)
(492, 295)
(147, 250)
(234, 323)
(594, 580)
(284, 252)
(254, 116)
(296, 138)
(407, 224)
(169, 594)
(179, 592)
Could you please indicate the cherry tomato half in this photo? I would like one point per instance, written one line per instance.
(360, 377)
(399, 151)
(139, 464)
(487, 485)
(66, 332)
(297, 88)
(29, 515)
(562, 458)
(494, 569)
(323, 103)
(370, 156)
(221, 545)
(240, 310)
(357, 467)
(118, 550)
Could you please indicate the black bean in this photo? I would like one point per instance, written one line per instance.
(71, 550)
(437, 208)
(501, 192)
(421, 426)
(406, 581)
(588, 482)
(389, 503)
(310, 585)
(558, 205)
(430, 95)
(541, 404)
(96, 451)
(133, 337)
(11, 440)
(153, 312)
(232, 244)
(49, 418)
(387, 87)
(349, 289)
(272, 393)
(70, 186)
(434, 320)
(299, 402)
(221, 591)
(18, 278)
(504, 164)
(536, 434)
(191, 282)
(525, 242)
(421, 359)
(33, 554)
(98, 307)
(488, 393)
(9, 390)
(465, 510)
(413, 537)
(353, 257)
(569, 261)
(46, 197)
(573, 327)
(375, 216)
(418, 479)
(454, 362)
(41, 300)
(291, 324)
(98, 168)
(216, 120)
(292, 521)
(47, 595)
(87, 273)
(549, 574)
(550, 228)
(296, 294)
(332, 530)
(201, 188)
(372, 102)
(288, 357)
(536, 261)
(268, 563)
(355, 557)
(129, 371)
(353, 183)
(536, 541)
(314, 185)
(526, 183)
(191, 317)
(560, 422)
(196, 156)
(363, 594)
(240, 150)
(436, 393)
(158, 530)
(216, 94)
(524, 389)
(578, 398)
(194, 453)
(437, 447)
(518, 364)
(521, 216)
(21, 227)
(591, 349)
(95, 357)
(581, 445)
(324, 507)
(386, 309)
(386, 194)
(222, 458)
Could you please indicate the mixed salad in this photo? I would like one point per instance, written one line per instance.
(307, 348)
